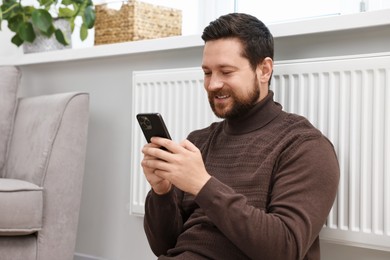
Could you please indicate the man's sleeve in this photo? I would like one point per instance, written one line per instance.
(162, 222)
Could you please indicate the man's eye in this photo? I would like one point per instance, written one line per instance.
(227, 72)
(207, 73)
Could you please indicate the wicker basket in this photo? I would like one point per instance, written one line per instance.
(135, 21)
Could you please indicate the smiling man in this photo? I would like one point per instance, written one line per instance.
(232, 85)
(257, 185)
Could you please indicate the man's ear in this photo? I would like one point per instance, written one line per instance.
(266, 68)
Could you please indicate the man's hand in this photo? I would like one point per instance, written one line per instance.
(159, 185)
(182, 165)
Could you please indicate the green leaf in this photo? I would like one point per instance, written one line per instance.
(17, 40)
(83, 32)
(72, 24)
(78, 1)
(46, 3)
(42, 20)
(15, 22)
(50, 32)
(66, 2)
(65, 12)
(61, 37)
(89, 17)
(26, 32)
(8, 8)
(29, 10)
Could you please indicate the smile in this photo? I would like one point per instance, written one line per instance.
(222, 97)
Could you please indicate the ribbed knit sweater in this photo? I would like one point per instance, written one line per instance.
(274, 180)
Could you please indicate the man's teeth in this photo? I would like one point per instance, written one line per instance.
(225, 96)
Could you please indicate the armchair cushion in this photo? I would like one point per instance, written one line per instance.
(9, 83)
(21, 205)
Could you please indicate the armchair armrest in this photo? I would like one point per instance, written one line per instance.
(48, 148)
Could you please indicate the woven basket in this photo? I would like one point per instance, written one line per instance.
(135, 21)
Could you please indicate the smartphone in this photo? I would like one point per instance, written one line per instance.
(152, 124)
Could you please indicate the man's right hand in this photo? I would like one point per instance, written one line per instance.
(159, 185)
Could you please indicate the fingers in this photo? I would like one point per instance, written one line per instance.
(150, 165)
(152, 145)
(159, 185)
(167, 143)
(172, 146)
(182, 165)
(159, 167)
(189, 146)
(155, 154)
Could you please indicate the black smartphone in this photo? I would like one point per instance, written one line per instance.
(152, 124)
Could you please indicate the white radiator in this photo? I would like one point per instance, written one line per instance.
(345, 97)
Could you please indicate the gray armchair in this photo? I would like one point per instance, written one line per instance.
(42, 156)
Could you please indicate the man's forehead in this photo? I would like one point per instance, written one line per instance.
(223, 53)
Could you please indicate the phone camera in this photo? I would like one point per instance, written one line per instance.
(145, 123)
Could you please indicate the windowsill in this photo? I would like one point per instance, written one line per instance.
(332, 23)
(304, 27)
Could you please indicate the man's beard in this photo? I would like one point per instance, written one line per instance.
(241, 106)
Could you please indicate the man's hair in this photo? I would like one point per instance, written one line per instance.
(255, 37)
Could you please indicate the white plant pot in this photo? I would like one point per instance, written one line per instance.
(43, 43)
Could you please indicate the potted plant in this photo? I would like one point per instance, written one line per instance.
(26, 21)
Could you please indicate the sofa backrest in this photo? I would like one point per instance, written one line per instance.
(9, 83)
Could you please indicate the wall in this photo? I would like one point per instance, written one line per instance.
(106, 230)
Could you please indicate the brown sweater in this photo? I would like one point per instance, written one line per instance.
(274, 181)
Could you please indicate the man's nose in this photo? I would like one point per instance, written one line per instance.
(215, 83)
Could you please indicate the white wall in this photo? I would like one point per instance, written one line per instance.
(106, 230)
(7, 48)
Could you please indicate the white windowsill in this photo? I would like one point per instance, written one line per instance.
(332, 23)
(319, 25)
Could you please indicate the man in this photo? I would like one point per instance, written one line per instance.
(259, 184)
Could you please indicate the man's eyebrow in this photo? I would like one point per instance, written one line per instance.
(221, 66)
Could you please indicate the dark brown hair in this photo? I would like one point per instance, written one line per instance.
(255, 37)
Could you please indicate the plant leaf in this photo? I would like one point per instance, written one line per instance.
(66, 2)
(50, 32)
(72, 24)
(61, 37)
(42, 20)
(26, 32)
(46, 3)
(65, 12)
(89, 17)
(83, 32)
(14, 22)
(28, 10)
(78, 2)
(17, 40)
(10, 8)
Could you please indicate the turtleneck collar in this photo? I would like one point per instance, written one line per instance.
(259, 116)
